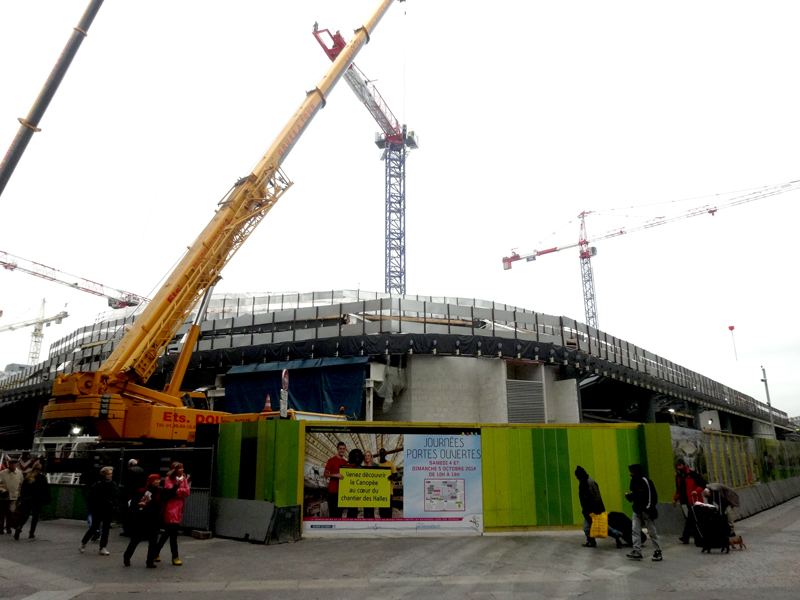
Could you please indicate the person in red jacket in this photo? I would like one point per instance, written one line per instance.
(176, 490)
(688, 489)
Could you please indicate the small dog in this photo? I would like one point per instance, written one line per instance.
(736, 541)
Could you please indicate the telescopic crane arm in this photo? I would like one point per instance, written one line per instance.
(120, 379)
(30, 124)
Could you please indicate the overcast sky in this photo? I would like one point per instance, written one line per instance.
(526, 113)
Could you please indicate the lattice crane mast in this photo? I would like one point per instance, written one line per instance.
(37, 335)
(395, 141)
(586, 252)
(116, 298)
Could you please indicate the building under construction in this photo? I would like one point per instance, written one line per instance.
(372, 356)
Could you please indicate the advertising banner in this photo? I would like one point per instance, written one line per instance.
(374, 477)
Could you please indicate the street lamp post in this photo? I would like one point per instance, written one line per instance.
(769, 404)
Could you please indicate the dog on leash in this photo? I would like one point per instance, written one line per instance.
(736, 541)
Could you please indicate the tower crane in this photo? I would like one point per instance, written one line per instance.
(586, 252)
(37, 335)
(395, 141)
(116, 298)
(114, 397)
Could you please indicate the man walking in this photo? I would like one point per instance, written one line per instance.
(644, 497)
(688, 490)
(10, 485)
(592, 503)
(332, 473)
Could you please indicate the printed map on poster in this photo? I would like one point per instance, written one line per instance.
(444, 495)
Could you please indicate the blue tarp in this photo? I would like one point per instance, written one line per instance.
(320, 385)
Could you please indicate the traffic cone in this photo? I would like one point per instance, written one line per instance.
(267, 405)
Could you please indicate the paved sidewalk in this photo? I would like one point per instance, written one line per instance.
(507, 567)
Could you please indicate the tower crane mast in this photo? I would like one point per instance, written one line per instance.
(116, 298)
(37, 335)
(395, 141)
(586, 252)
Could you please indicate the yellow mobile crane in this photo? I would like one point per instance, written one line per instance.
(114, 396)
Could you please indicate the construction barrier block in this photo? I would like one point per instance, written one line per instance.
(776, 490)
(767, 499)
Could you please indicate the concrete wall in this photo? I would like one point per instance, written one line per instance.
(562, 402)
(451, 389)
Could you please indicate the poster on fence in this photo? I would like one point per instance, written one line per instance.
(368, 478)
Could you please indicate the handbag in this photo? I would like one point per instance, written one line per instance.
(599, 525)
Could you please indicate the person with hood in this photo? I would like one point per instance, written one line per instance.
(644, 497)
(146, 522)
(102, 500)
(175, 490)
(688, 490)
(34, 495)
(592, 503)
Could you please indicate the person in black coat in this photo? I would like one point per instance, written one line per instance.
(34, 495)
(146, 521)
(644, 497)
(592, 503)
(133, 479)
(102, 500)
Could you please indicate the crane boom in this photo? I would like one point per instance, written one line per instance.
(116, 298)
(22, 324)
(30, 124)
(117, 385)
(657, 221)
(587, 252)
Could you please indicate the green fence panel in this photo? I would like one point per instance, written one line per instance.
(526, 478)
(659, 458)
(269, 460)
(488, 470)
(501, 479)
(228, 458)
(565, 478)
(539, 477)
(287, 453)
(262, 454)
(516, 498)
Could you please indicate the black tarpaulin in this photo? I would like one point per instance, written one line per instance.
(320, 385)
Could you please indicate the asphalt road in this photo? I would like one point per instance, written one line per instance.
(529, 566)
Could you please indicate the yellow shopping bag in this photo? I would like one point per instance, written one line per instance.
(599, 525)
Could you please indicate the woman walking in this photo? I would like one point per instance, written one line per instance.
(102, 500)
(35, 493)
(145, 521)
(175, 491)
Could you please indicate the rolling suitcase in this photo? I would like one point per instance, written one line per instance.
(711, 528)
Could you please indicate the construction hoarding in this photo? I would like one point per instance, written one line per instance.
(392, 477)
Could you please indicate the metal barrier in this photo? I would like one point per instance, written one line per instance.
(729, 459)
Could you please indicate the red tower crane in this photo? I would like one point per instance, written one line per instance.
(586, 252)
(395, 141)
(116, 298)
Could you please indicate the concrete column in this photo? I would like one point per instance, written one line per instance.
(647, 410)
